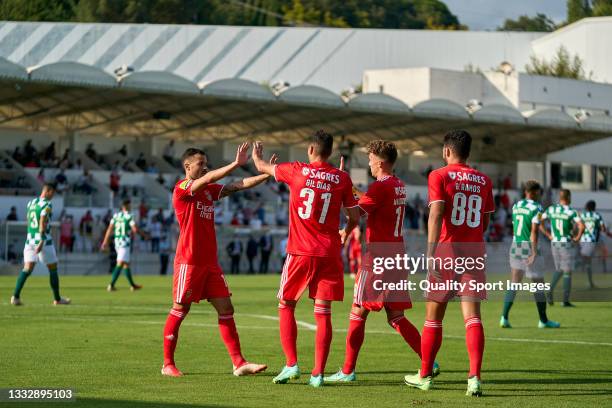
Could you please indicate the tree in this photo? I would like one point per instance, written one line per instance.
(578, 9)
(36, 10)
(525, 23)
(602, 8)
(562, 66)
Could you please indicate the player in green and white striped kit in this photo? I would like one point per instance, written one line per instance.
(526, 215)
(123, 226)
(39, 245)
(562, 219)
(593, 227)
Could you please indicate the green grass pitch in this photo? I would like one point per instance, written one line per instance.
(108, 346)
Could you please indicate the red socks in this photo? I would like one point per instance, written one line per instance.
(474, 340)
(171, 329)
(354, 340)
(229, 335)
(322, 314)
(431, 340)
(288, 333)
(409, 333)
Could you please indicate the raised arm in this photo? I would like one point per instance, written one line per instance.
(215, 175)
(352, 220)
(260, 164)
(246, 183)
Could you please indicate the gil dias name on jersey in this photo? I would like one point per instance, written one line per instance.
(122, 223)
(35, 209)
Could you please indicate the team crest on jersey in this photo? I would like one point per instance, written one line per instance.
(452, 175)
(208, 196)
(305, 171)
(187, 293)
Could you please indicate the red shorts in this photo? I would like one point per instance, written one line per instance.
(372, 304)
(324, 277)
(445, 288)
(193, 283)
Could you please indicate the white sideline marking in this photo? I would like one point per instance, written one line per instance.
(306, 325)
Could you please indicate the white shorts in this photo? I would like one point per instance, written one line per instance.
(123, 254)
(519, 253)
(564, 255)
(46, 256)
(588, 248)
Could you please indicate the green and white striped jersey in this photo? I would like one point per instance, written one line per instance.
(35, 209)
(122, 223)
(524, 214)
(562, 219)
(592, 226)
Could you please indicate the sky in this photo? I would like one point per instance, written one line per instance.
(490, 14)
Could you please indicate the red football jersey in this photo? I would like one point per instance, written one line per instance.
(467, 195)
(195, 213)
(317, 192)
(385, 203)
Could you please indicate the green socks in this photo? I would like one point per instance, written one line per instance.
(567, 286)
(555, 279)
(54, 281)
(508, 301)
(21, 279)
(116, 273)
(541, 305)
(128, 275)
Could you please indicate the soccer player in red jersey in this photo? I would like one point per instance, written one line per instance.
(197, 274)
(318, 191)
(353, 252)
(460, 203)
(384, 204)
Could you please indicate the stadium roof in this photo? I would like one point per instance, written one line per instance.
(65, 96)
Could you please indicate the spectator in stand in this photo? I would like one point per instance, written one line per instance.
(12, 215)
(508, 182)
(49, 154)
(114, 182)
(107, 219)
(91, 152)
(169, 152)
(61, 181)
(266, 244)
(159, 216)
(234, 250)
(156, 232)
(85, 183)
(32, 163)
(141, 162)
(123, 151)
(97, 233)
(66, 234)
(86, 227)
(505, 200)
(41, 176)
(143, 211)
(29, 151)
(164, 254)
(160, 179)
(251, 253)
(78, 165)
(235, 221)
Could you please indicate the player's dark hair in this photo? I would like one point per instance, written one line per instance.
(590, 205)
(189, 153)
(50, 186)
(383, 149)
(323, 143)
(126, 202)
(460, 142)
(532, 186)
(565, 194)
